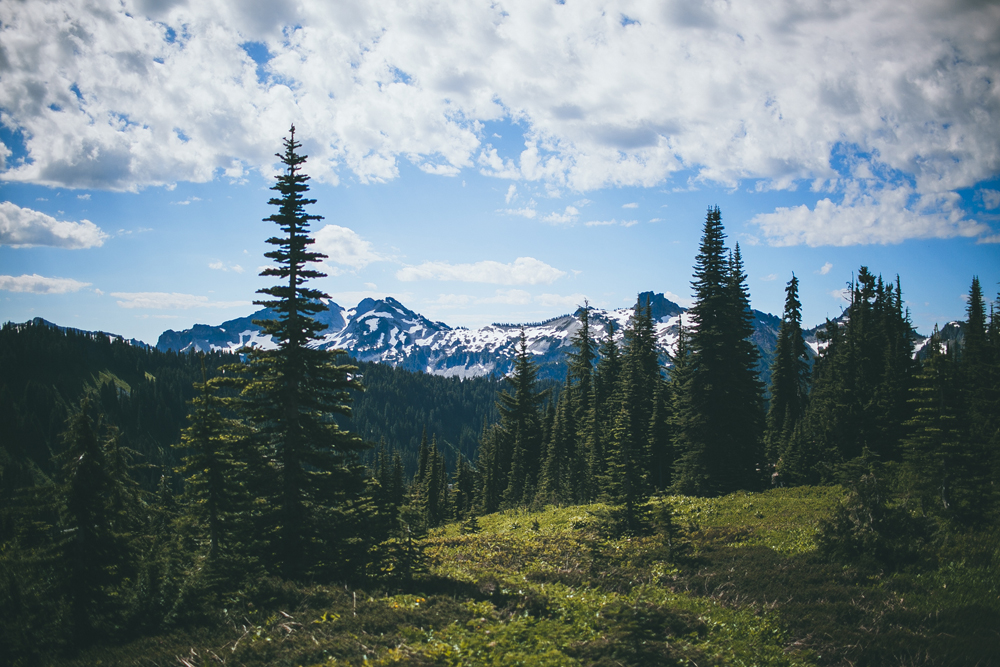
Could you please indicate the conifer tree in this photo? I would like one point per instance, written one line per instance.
(605, 406)
(858, 402)
(554, 485)
(97, 550)
(296, 390)
(721, 426)
(789, 376)
(934, 451)
(628, 454)
(520, 423)
(581, 375)
(212, 467)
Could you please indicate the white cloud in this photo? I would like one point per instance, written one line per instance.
(611, 223)
(36, 284)
(769, 277)
(991, 199)
(523, 271)
(343, 246)
(630, 205)
(170, 301)
(525, 211)
(141, 93)
(842, 294)
(883, 216)
(25, 227)
(84, 196)
(221, 266)
(825, 269)
(511, 192)
(567, 217)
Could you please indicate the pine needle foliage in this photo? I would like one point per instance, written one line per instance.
(295, 392)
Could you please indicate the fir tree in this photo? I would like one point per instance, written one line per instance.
(97, 550)
(520, 423)
(605, 406)
(296, 390)
(581, 375)
(628, 454)
(789, 377)
(212, 467)
(723, 419)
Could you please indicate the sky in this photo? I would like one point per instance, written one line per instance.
(494, 161)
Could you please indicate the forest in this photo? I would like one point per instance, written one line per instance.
(291, 506)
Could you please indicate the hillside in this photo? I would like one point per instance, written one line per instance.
(47, 370)
(735, 580)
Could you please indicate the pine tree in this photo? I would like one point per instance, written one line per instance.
(789, 377)
(212, 467)
(628, 454)
(581, 375)
(604, 407)
(520, 423)
(934, 452)
(721, 426)
(858, 402)
(294, 393)
(97, 550)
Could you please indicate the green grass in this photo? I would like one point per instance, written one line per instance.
(551, 588)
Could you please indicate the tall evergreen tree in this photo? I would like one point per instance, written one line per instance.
(99, 517)
(521, 426)
(581, 374)
(721, 426)
(296, 390)
(628, 454)
(214, 466)
(604, 407)
(789, 377)
(858, 402)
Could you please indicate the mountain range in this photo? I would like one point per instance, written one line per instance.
(386, 331)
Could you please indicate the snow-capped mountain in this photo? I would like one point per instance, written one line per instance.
(386, 331)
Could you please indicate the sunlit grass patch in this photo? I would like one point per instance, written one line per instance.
(782, 519)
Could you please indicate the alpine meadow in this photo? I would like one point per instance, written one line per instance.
(494, 333)
(655, 507)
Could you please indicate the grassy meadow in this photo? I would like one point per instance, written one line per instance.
(735, 580)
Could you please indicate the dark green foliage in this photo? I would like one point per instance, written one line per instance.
(398, 406)
(628, 450)
(872, 532)
(521, 429)
(718, 441)
(789, 390)
(292, 396)
(861, 381)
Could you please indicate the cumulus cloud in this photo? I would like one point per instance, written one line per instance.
(630, 205)
(170, 301)
(523, 271)
(25, 227)
(344, 246)
(124, 95)
(884, 216)
(825, 269)
(36, 284)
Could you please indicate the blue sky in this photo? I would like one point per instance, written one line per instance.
(490, 162)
